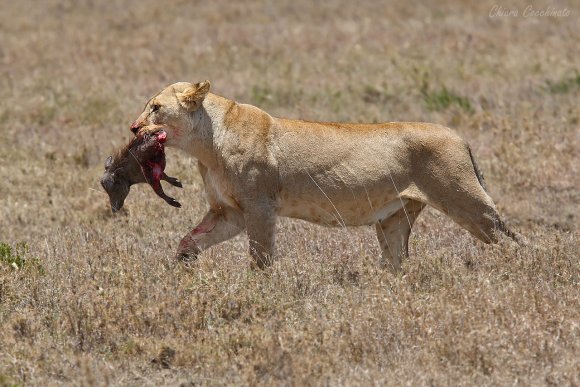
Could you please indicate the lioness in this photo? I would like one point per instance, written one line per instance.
(256, 167)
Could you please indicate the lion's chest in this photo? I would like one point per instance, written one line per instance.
(219, 191)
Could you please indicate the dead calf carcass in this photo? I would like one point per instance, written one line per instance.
(141, 161)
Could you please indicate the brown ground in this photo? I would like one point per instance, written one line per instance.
(97, 299)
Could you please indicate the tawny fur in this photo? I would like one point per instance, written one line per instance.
(256, 167)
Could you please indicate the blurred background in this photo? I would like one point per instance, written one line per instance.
(103, 291)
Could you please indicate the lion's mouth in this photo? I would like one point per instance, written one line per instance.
(135, 127)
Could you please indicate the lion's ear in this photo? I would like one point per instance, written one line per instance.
(193, 96)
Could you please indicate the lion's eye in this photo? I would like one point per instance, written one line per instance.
(155, 107)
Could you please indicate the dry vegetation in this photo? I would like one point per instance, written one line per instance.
(95, 299)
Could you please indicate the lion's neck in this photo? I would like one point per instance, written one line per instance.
(204, 141)
(218, 128)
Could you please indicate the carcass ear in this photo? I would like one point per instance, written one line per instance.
(108, 162)
(193, 96)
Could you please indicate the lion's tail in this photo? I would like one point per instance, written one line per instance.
(500, 224)
(478, 172)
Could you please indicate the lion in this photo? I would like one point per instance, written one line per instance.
(256, 168)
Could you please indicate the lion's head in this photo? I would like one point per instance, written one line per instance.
(174, 107)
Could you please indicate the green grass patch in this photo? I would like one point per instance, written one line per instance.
(444, 98)
(565, 85)
(17, 256)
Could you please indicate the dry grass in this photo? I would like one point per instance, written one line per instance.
(97, 299)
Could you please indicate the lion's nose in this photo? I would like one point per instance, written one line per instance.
(135, 126)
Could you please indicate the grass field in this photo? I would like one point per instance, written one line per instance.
(88, 298)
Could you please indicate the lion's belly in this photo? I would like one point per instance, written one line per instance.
(350, 193)
(340, 213)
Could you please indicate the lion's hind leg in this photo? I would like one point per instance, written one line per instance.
(393, 234)
(470, 207)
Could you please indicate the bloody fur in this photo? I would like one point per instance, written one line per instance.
(141, 161)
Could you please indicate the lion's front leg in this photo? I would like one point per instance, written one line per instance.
(216, 227)
(261, 228)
